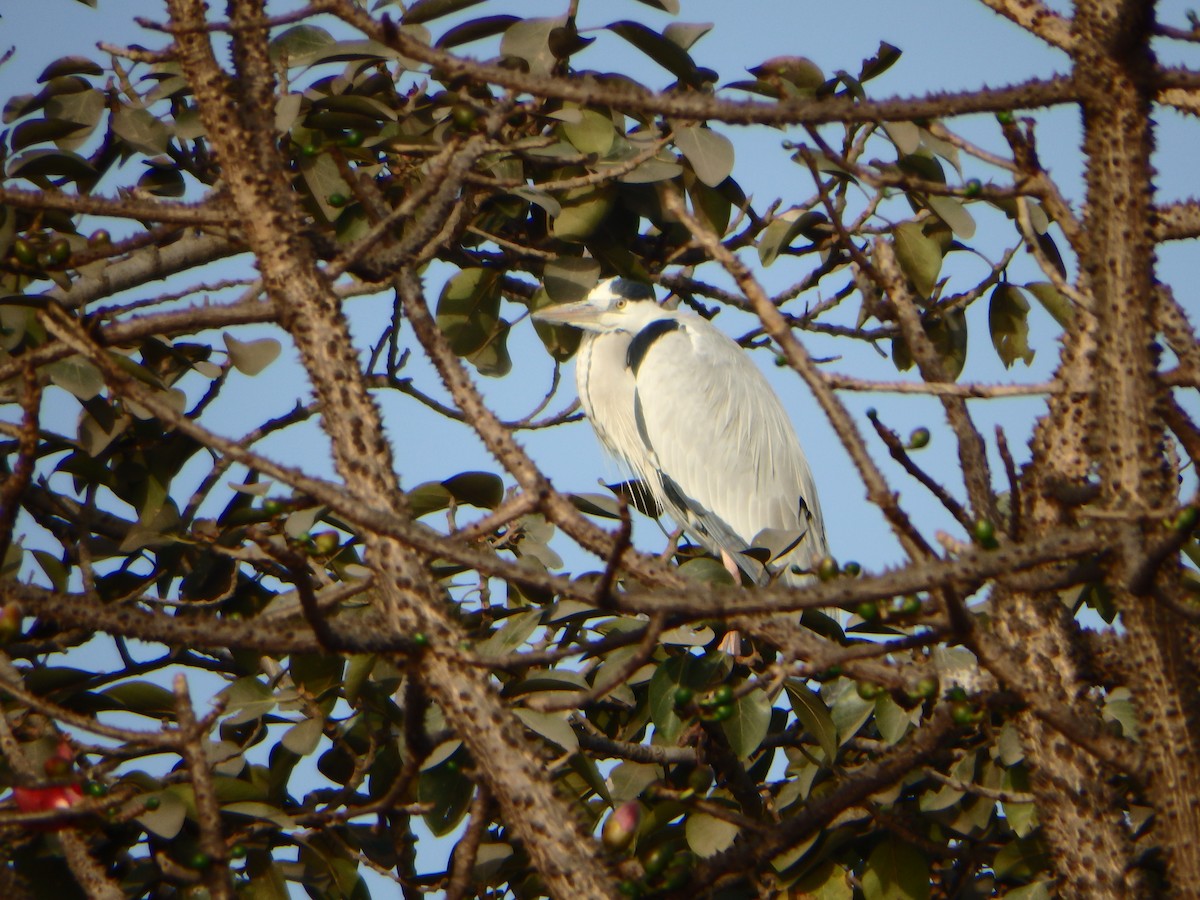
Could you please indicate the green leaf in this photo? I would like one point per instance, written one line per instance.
(251, 357)
(162, 181)
(707, 570)
(826, 882)
(570, 278)
(593, 133)
(76, 375)
(814, 716)
(167, 820)
(693, 672)
(583, 210)
(475, 30)
(891, 720)
(303, 737)
(1053, 302)
(70, 65)
(850, 712)
(40, 131)
(300, 44)
(905, 135)
(468, 310)
(710, 153)
(44, 163)
(143, 698)
(885, 57)
(748, 726)
(428, 10)
(480, 489)
(951, 211)
(919, 255)
(665, 52)
(685, 34)
(512, 634)
(529, 39)
(141, 130)
(783, 229)
(896, 871)
(628, 779)
(1008, 321)
(492, 359)
(429, 497)
(554, 728)
(448, 792)
(707, 835)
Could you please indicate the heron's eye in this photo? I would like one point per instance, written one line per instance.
(621, 304)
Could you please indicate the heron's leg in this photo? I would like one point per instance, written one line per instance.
(731, 643)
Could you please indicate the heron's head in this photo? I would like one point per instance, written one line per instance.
(615, 304)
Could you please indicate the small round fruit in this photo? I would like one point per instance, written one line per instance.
(59, 251)
(152, 803)
(272, 507)
(99, 238)
(927, 687)
(621, 826)
(973, 188)
(918, 439)
(310, 150)
(724, 712)
(868, 611)
(910, 605)
(238, 851)
(1005, 117)
(464, 116)
(325, 542)
(200, 860)
(827, 568)
(852, 569)
(683, 696)
(25, 252)
(337, 201)
(1187, 518)
(867, 691)
(985, 534)
(961, 713)
(95, 789)
(723, 694)
(420, 639)
(658, 859)
(352, 138)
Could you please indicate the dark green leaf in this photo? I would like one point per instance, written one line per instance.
(475, 30)
(469, 308)
(919, 255)
(1008, 320)
(1053, 302)
(710, 153)
(64, 164)
(665, 52)
(40, 131)
(883, 60)
(140, 130)
(693, 672)
(70, 65)
(428, 10)
(747, 728)
(810, 709)
(162, 181)
(583, 209)
(481, 489)
(448, 792)
(896, 871)
(784, 229)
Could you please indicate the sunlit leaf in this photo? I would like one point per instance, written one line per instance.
(710, 153)
(810, 709)
(707, 835)
(748, 726)
(251, 357)
(1008, 321)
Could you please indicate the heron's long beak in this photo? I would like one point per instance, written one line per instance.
(581, 314)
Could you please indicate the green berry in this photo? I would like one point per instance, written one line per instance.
(973, 188)
(827, 568)
(238, 851)
(464, 116)
(59, 251)
(336, 200)
(910, 605)
(200, 860)
(868, 611)
(927, 687)
(724, 712)
(629, 888)
(25, 252)
(657, 860)
(272, 507)
(962, 714)
(852, 569)
(1005, 117)
(867, 691)
(985, 534)
(352, 138)
(918, 439)
(95, 789)
(723, 694)
(1187, 518)
(151, 803)
(310, 150)
(683, 696)
(325, 542)
(420, 639)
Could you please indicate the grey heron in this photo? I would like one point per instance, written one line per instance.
(683, 407)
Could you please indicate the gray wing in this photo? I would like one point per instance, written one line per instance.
(725, 446)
